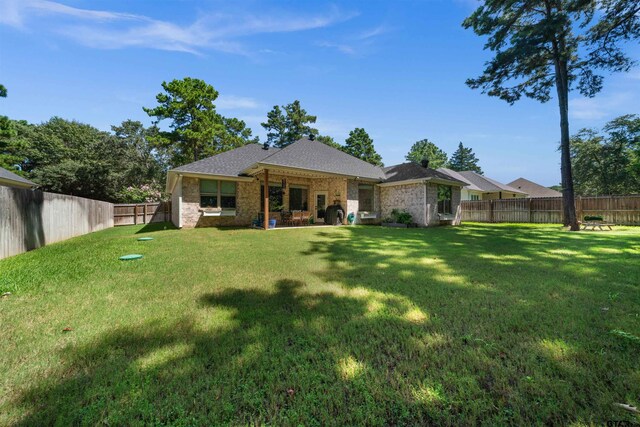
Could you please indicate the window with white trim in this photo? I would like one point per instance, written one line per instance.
(217, 194)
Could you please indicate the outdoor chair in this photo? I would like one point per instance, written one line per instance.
(296, 217)
(306, 215)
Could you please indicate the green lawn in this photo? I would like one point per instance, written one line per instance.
(351, 325)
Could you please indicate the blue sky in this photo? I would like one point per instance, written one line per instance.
(395, 68)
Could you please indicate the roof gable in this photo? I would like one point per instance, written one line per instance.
(229, 163)
(412, 171)
(317, 156)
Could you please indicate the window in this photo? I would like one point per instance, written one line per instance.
(444, 199)
(365, 198)
(298, 198)
(475, 197)
(276, 201)
(217, 194)
(208, 193)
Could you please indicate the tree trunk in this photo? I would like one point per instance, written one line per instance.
(568, 199)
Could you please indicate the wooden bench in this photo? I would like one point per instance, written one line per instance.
(593, 225)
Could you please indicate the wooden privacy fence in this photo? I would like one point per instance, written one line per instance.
(624, 210)
(30, 219)
(141, 213)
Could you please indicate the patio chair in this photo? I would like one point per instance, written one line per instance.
(287, 218)
(306, 215)
(296, 217)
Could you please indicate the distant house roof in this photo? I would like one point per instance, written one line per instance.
(481, 183)
(533, 189)
(10, 179)
(413, 171)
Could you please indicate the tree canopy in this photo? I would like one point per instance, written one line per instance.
(359, 144)
(608, 162)
(425, 149)
(197, 129)
(288, 124)
(464, 159)
(540, 45)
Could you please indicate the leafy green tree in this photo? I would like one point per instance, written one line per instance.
(146, 164)
(329, 141)
(544, 44)
(288, 124)
(3, 91)
(425, 149)
(197, 129)
(464, 159)
(607, 163)
(360, 145)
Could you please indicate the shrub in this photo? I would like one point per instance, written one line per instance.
(399, 217)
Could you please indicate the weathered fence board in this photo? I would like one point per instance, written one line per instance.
(141, 213)
(623, 210)
(30, 219)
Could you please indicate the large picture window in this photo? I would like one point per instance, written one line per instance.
(276, 202)
(217, 194)
(365, 198)
(298, 198)
(444, 199)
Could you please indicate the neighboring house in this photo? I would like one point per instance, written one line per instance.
(10, 179)
(229, 188)
(534, 190)
(479, 187)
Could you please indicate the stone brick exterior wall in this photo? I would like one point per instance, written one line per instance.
(353, 203)
(248, 199)
(432, 205)
(409, 197)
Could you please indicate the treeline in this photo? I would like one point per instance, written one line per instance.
(463, 159)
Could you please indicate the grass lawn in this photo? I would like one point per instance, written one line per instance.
(352, 325)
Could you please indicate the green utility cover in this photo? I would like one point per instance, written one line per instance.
(144, 239)
(130, 257)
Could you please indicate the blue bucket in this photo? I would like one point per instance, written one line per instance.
(272, 223)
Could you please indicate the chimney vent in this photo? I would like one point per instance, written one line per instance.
(424, 162)
(312, 137)
(265, 146)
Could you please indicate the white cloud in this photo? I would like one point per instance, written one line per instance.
(231, 102)
(599, 107)
(356, 44)
(113, 30)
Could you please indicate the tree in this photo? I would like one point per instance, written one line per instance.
(288, 124)
(329, 141)
(425, 149)
(359, 144)
(607, 163)
(463, 159)
(542, 44)
(197, 129)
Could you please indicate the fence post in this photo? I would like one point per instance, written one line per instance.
(530, 212)
(579, 208)
(135, 214)
(144, 213)
(490, 210)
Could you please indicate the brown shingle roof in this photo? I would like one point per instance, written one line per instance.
(533, 189)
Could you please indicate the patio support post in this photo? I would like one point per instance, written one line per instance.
(266, 199)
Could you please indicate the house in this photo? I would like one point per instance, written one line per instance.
(534, 190)
(229, 189)
(479, 187)
(10, 179)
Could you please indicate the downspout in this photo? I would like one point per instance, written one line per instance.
(179, 185)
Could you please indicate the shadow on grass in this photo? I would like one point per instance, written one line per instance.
(289, 357)
(156, 226)
(447, 326)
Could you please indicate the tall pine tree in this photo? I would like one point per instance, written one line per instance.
(288, 124)
(359, 144)
(463, 159)
(425, 149)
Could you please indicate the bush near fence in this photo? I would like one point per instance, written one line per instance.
(622, 210)
(30, 219)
